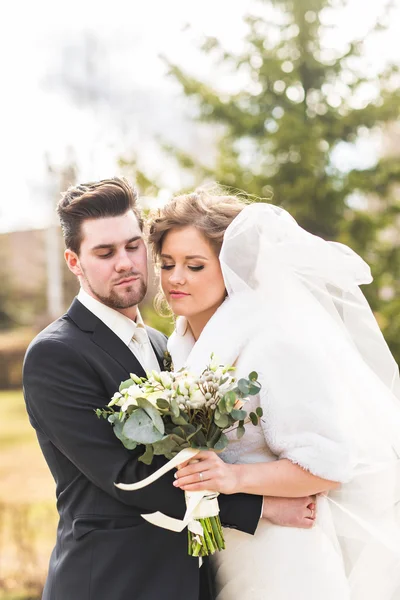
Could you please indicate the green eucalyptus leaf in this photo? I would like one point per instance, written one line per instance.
(238, 415)
(128, 443)
(230, 397)
(213, 433)
(179, 430)
(198, 440)
(244, 386)
(222, 442)
(147, 457)
(254, 388)
(175, 408)
(169, 427)
(212, 440)
(222, 406)
(125, 385)
(230, 401)
(221, 420)
(253, 376)
(259, 411)
(179, 440)
(240, 431)
(196, 430)
(153, 413)
(181, 419)
(253, 418)
(162, 403)
(140, 428)
(166, 446)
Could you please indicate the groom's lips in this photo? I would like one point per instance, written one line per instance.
(127, 280)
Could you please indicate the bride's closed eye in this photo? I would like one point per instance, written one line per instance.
(169, 267)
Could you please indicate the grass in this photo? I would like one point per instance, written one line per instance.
(24, 475)
(27, 504)
(27, 596)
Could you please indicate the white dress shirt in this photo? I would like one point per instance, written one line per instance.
(132, 334)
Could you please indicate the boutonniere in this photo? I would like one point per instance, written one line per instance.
(167, 361)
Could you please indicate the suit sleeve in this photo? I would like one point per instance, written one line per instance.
(62, 391)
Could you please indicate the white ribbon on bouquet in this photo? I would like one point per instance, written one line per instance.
(199, 505)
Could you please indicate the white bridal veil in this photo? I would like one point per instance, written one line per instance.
(305, 293)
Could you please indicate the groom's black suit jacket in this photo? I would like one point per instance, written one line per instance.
(104, 549)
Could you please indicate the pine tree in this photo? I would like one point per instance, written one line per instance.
(281, 132)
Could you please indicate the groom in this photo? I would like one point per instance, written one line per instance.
(104, 549)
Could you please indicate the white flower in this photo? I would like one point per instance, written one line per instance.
(197, 399)
(135, 391)
(128, 402)
(184, 383)
(154, 376)
(214, 364)
(166, 379)
(130, 395)
(154, 396)
(220, 372)
(117, 400)
(135, 378)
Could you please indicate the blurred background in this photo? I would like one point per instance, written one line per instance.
(294, 101)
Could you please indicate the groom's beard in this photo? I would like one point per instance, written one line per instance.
(132, 295)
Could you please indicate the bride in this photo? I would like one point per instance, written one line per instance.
(251, 286)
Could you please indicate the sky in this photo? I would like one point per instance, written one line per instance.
(57, 105)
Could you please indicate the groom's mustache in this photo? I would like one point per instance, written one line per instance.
(128, 276)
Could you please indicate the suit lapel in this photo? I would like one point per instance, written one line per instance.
(115, 347)
(106, 339)
(159, 349)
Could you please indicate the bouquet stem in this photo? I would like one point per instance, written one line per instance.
(211, 541)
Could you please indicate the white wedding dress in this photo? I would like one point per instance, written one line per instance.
(277, 563)
(328, 393)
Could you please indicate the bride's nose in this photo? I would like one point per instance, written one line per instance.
(177, 276)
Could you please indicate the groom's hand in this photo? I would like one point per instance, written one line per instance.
(290, 512)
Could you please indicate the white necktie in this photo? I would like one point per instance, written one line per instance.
(142, 344)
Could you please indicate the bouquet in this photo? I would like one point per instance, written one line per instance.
(168, 412)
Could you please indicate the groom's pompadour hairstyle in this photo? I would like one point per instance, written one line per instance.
(96, 200)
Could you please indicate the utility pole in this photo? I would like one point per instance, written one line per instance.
(58, 180)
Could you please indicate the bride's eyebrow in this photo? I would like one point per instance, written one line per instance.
(188, 257)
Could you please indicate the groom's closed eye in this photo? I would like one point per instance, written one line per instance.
(111, 252)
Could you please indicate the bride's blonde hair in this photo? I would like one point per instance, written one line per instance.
(211, 211)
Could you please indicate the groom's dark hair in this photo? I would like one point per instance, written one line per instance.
(96, 200)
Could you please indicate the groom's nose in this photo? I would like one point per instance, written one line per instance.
(123, 261)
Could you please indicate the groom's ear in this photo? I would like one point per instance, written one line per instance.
(72, 260)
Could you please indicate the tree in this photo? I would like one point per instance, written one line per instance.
(281, 132)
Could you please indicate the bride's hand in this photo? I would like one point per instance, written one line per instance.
(207, 472)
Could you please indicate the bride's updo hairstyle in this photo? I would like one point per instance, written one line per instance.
(209, 211)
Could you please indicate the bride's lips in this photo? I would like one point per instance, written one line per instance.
(127, 281)
(176, 295)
